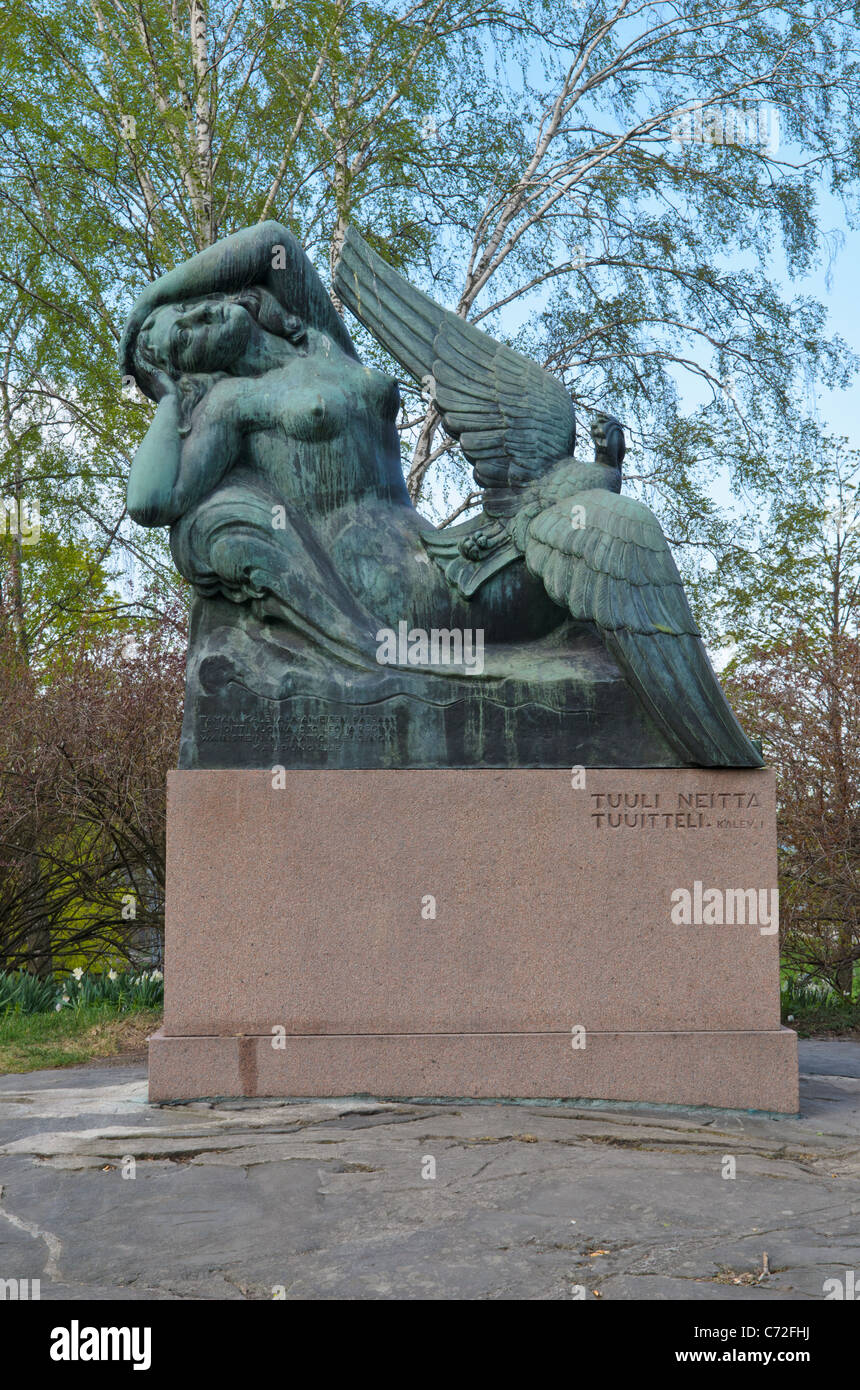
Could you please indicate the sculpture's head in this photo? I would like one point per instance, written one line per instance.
(250, 306)
(213, 314)
(210, 334)
(188, 345)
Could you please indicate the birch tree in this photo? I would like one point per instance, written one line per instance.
(620, 189)
(662, 162)
(133, 134)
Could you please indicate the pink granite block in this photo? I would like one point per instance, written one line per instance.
(303, 906)
(469, 903)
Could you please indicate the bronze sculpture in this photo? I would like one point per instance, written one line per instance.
(274, 458)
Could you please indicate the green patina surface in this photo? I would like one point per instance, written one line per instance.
(333, 626)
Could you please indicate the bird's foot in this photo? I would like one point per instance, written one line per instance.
(480, 544)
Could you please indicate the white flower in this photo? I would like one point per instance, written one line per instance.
(57, 1008)
(78, 973)
(157, 975)
(66, 1000)
(112, 975)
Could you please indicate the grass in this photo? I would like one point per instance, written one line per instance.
(29, 1042)
(76, 1017)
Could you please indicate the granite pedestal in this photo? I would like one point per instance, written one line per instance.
(474, 933)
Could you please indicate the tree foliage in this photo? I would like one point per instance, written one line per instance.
(612, 187)
(794, 602)
(83, 762)
(627, 191)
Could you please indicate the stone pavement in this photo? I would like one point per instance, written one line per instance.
(329, 1199)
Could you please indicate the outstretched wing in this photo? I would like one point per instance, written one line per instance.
(605, 558)
(513, 420)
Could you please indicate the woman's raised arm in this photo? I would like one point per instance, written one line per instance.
(169, 474)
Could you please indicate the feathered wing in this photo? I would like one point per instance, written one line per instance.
(601, 555)
(604, 557)
(513, 420)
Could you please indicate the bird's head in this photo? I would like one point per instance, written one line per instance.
(609, 443)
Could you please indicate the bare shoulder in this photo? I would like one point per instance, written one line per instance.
(245, 402)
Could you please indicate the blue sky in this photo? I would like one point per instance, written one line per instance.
(839, 411)
(836, 285)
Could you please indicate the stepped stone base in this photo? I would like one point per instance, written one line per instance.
(742, 1071)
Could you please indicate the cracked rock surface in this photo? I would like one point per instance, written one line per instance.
(334, 1199)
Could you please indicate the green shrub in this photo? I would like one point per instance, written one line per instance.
(23, 993)
(810, 1006)
(130, 989)
(802, 992)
